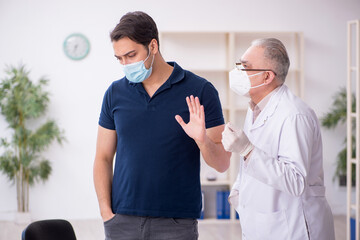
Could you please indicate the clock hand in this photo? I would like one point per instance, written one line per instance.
(75, 47)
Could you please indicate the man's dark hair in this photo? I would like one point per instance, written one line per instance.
(137, 26)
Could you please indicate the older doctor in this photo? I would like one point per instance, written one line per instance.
(279, 192)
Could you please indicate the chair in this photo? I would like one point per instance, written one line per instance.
(54, 229)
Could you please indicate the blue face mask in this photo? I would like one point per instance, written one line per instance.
(137, 72)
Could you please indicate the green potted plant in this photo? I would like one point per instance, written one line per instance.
(22, 103)
(330, 120)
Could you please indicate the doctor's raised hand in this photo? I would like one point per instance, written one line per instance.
(195, 128)
(207, 139)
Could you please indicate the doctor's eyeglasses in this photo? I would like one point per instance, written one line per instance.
(241, 67)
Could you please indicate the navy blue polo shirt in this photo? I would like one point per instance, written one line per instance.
(157, 169)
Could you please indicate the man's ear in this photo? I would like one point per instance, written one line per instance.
(269, 77)
(154, 46)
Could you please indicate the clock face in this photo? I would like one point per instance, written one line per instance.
(76, 46)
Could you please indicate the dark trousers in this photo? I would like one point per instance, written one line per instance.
(124, 227)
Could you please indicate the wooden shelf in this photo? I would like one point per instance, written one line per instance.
(215, 183)
(217, 221)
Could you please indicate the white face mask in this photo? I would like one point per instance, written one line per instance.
(240, 82)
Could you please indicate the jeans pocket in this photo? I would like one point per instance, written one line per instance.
(107, 222)
(184, 221)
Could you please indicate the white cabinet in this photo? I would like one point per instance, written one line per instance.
(212, 55)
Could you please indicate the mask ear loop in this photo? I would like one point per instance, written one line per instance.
(152, 59)
(255, 74)
(257, 85)
(147, 59)
(147, 56)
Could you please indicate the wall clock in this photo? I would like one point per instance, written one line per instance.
(76, 46)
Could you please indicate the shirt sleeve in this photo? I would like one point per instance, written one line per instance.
(212, 106)
(106, 118)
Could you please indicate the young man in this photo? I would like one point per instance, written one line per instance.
(279, 192)
(154, 191)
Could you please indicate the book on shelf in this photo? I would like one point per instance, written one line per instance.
(222, 205)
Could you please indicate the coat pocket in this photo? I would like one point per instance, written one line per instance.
(264, 226)
(271, 225)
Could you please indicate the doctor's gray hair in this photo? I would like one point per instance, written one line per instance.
(275, 51)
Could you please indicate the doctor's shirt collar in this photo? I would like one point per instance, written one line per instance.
(257, 108)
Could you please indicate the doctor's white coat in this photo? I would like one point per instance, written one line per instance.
(281, 188)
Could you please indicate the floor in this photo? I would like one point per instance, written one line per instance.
(93, 230)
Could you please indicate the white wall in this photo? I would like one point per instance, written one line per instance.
(32, 32)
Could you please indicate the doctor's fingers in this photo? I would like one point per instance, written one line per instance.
(193, 105)
(195, 102)
(229, 137)
(190, 106)
(227, 133)
(233, 128)
(202, 112)
(229, 126)
(226, 144)
(227, 130)
(180, 121)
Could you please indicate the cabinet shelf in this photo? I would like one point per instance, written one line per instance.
(217, 221)
(215, 183)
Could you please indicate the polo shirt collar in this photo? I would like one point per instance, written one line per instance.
(177, 75)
